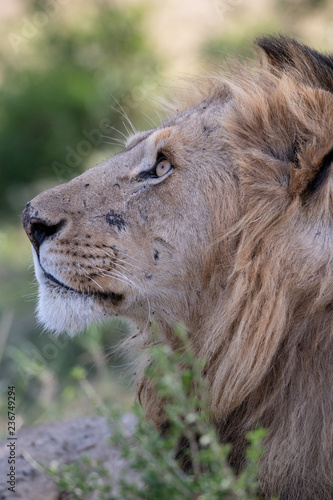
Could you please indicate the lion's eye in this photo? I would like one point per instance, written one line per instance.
(163, 167)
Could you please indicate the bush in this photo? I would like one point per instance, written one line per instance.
(177, 376)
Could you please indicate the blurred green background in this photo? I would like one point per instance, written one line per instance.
(67, 69)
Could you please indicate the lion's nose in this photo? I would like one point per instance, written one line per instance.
(37, 229)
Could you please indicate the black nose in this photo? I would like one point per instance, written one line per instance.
(37, 229)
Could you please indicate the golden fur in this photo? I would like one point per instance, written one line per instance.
(235, 241)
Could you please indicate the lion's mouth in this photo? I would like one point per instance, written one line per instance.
(114, 297)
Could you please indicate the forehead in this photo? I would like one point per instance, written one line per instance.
(152, 137)
(145, 145)
(201, 113)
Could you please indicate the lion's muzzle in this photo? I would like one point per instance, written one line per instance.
(38, 230)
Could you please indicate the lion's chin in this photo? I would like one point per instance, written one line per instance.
(64, 311)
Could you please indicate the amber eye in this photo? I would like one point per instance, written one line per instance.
(163, 167)
(160, 169)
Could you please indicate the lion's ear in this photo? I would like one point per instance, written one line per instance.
(312, 120)
(307, 176)
(284, 54)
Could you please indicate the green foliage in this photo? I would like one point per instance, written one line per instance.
(80, 479)
(177, 377)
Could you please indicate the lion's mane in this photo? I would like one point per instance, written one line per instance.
(269, 344)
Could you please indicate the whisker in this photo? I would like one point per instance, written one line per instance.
(85, 272)
(129, 133)
(123, 267)
(160, 117)
(132, 363)
(115, 139)
(150, 119)
(125, 115)
(128, 263)
(141, 292)
(121, 275)
(122, 280)
(87, 275)
(119, 131)
(117, 144)
(124, 253)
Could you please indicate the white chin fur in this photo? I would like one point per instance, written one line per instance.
(64, 311)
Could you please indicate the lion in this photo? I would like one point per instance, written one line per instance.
(220, 218)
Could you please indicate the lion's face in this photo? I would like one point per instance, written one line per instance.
(132, 235)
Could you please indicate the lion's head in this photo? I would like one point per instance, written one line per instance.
(222, 218)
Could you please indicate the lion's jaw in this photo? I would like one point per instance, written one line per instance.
(60, 309)
(114, 241)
